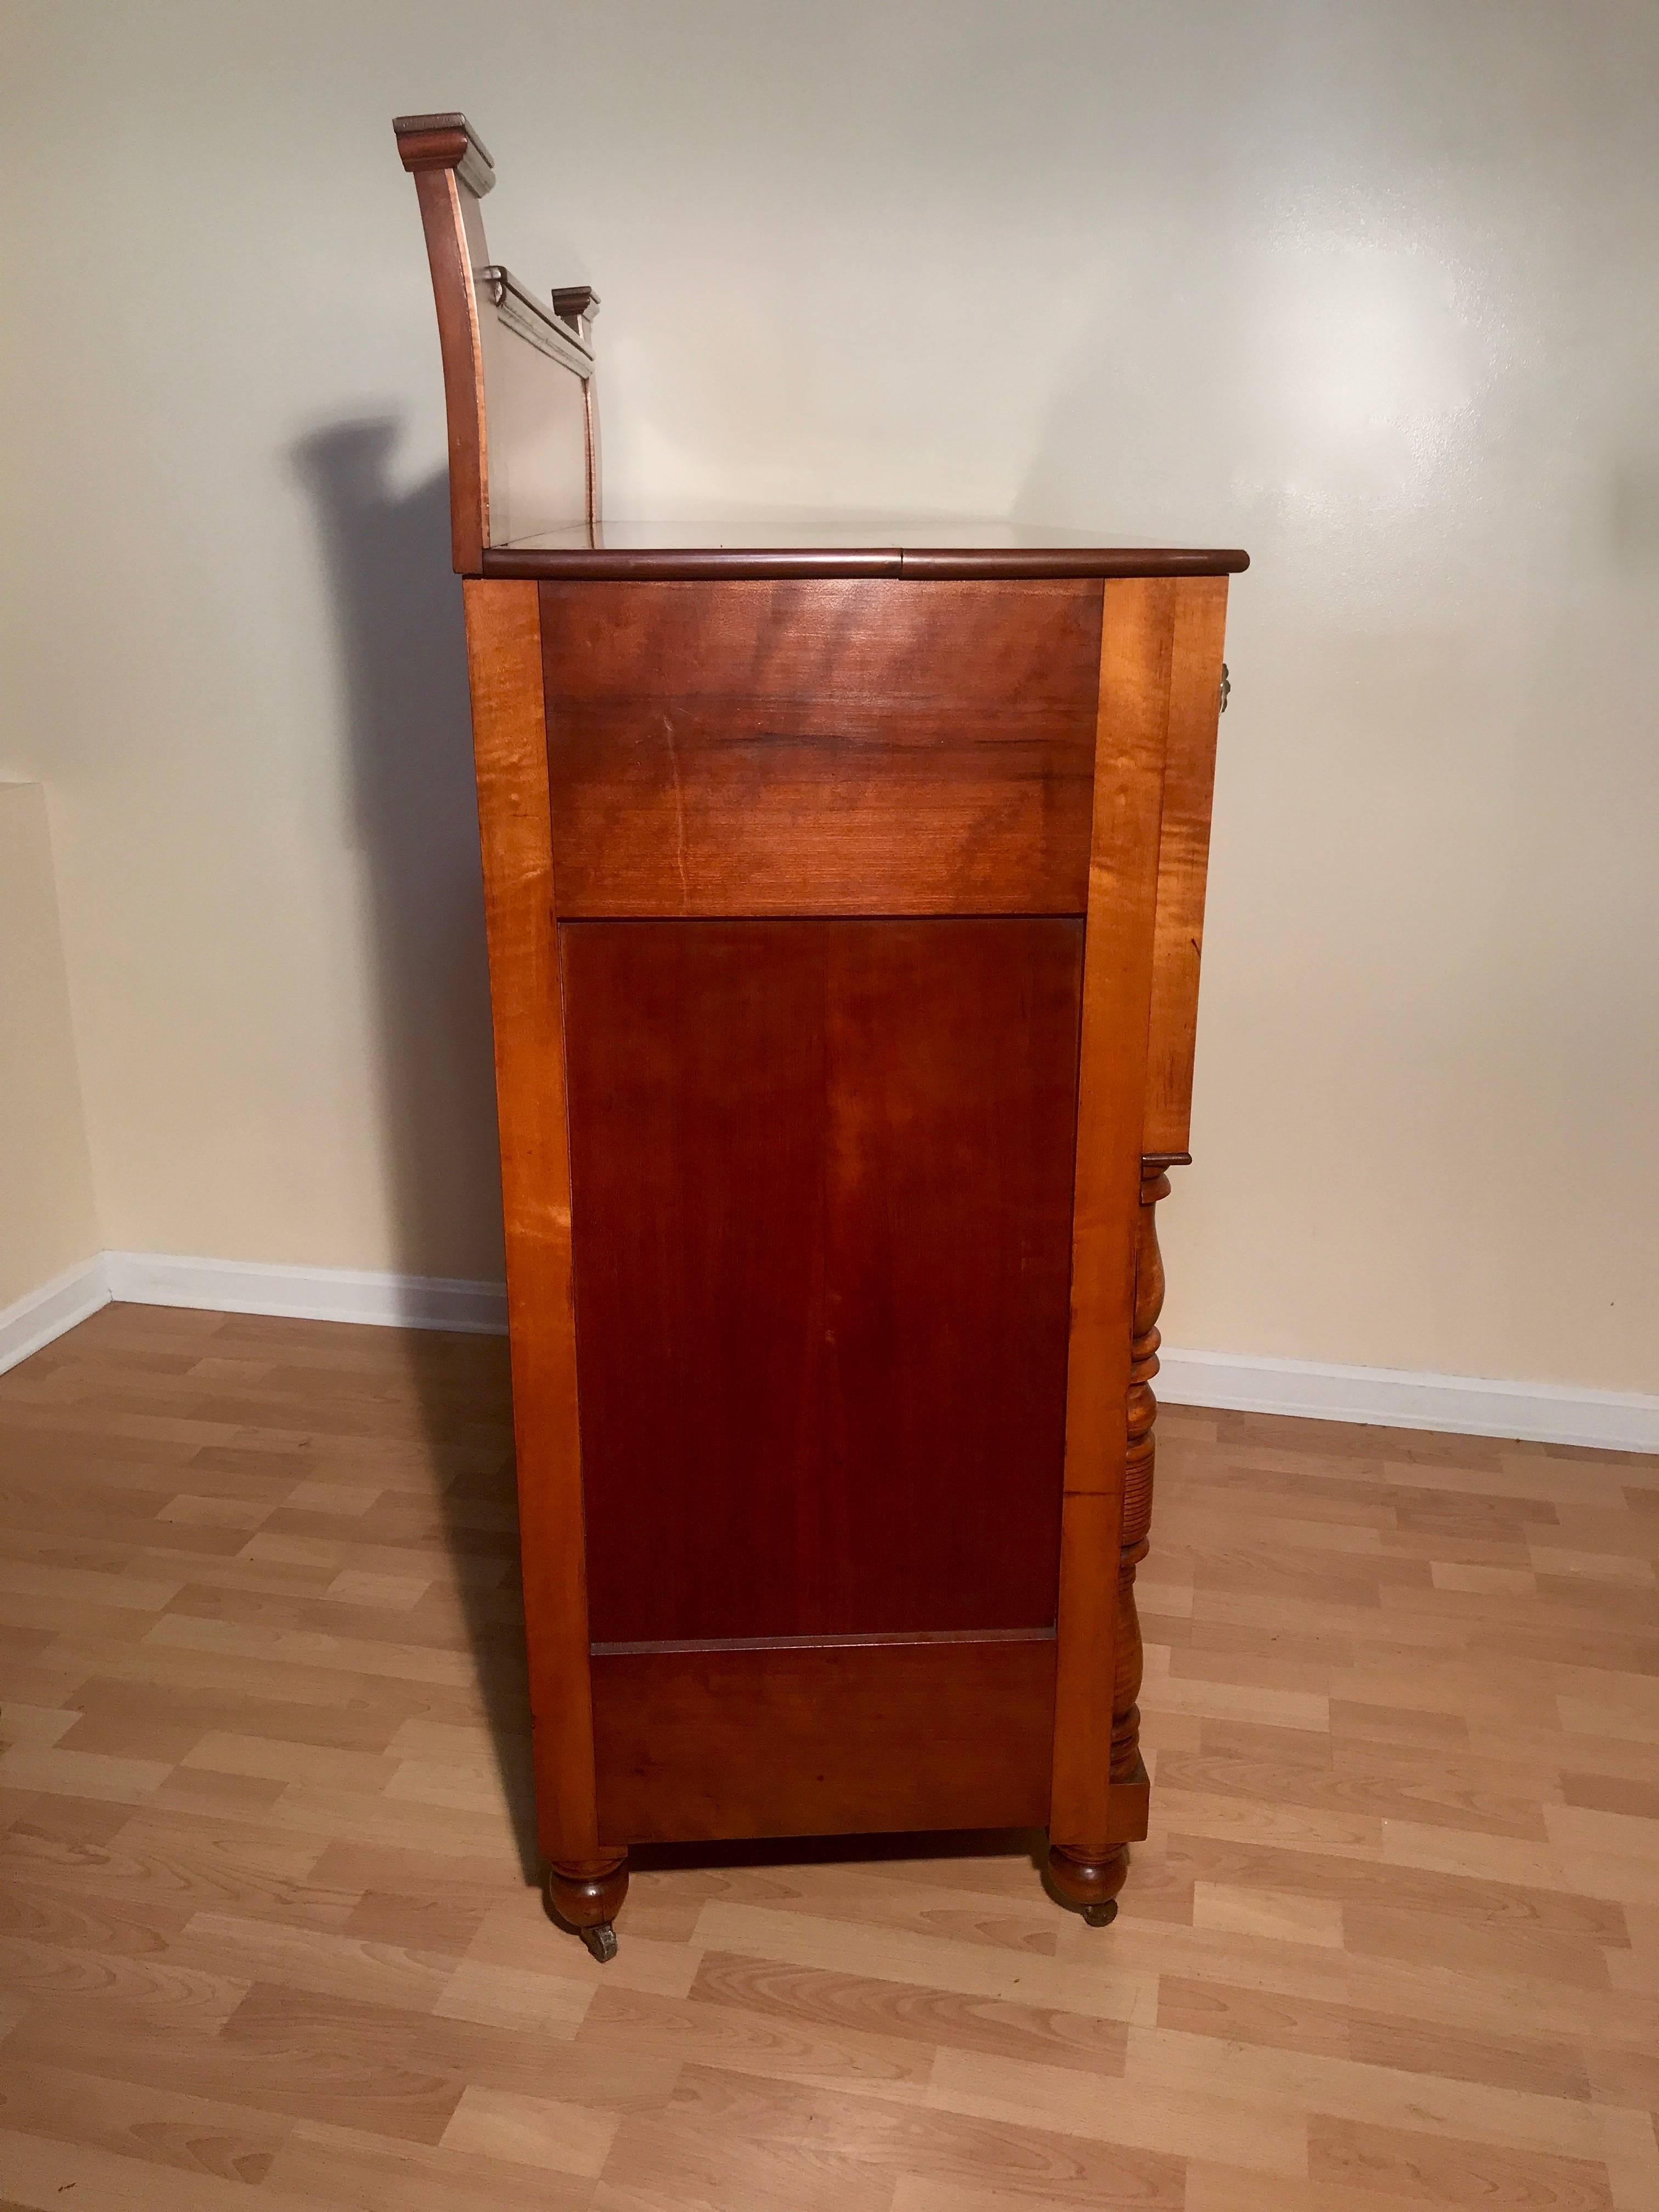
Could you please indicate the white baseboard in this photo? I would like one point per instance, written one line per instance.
(1390, 1397)
(1465, 1405)
(32, 1322)
(385, 1301)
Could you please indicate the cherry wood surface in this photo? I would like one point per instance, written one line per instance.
(444, 222)
(269, 1934)
(1183, 853)
(831, 1739)
(1087, 1827)
(737, 546)
(829, 747)
(510, 753)
(523, 424)
(839, 1372)
(822, 1174)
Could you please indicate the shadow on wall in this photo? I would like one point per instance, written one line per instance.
(398, 612)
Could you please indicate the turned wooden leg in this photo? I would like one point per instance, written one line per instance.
(1089, 1886)
(586, 1895)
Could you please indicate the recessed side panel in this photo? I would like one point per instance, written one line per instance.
(832, 1739)
(822, 1191)
(833, 746)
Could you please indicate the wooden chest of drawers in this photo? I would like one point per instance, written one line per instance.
(845, 901)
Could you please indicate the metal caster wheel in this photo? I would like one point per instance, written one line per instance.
(602, 1941)
(1101, 1915)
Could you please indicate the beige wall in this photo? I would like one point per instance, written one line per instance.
(1367, 288)
(48, 1217)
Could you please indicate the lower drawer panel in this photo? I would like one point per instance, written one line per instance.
(822, 1738)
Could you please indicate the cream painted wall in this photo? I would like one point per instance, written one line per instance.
(48, 1216)
(1367, 288)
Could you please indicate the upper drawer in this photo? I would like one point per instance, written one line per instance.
(834, 746)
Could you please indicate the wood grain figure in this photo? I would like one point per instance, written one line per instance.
(1093, 1814)
(503, 633)
(830, 1392)
(837, 747)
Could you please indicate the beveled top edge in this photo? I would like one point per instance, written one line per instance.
(667, 564)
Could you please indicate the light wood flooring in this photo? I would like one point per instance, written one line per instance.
(266, 1938)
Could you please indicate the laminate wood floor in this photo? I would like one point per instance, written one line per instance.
(266, 1937)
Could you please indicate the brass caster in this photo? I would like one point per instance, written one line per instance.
(602, 1941)
(1101, 1915)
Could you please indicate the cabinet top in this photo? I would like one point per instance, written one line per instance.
(820, 545)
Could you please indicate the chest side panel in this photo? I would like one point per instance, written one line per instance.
(821, 1176)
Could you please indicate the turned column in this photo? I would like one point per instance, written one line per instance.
(1089, 1879)
(1137, 1475)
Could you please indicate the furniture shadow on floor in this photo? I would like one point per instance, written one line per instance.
(460, 1399)
(413, 821)
(1029, 1843)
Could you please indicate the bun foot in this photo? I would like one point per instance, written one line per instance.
(1089, 1886)
(588, 1898)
